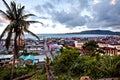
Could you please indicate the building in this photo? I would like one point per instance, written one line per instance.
(55, 50)
(79, 44)
(111, 51)
(117, 46)
(103, 44)
(5, 59)
(31, 59)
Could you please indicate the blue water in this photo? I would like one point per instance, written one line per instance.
(66, 35)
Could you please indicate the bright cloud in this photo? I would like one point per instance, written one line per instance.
(113, 2)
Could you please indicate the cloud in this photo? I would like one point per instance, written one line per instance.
(3, 21)
(66, 12)
(43, 17)
(71, 19)
(105, 15)
(94, 14)
(1, 25)
(45, 8)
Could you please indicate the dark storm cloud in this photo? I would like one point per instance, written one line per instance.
(48, 6)
(69, 19)
(44, 8)
(67, 12)
(81, 3)
(106, 15)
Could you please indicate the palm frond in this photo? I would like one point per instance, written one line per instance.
(20, 11)
(27, 15)
(10, 15)
(34, 22)
(13, 7)
(6, 5)
(3, 33)
(8, 39)
(23, 24)
(4, 14)
(32, 34)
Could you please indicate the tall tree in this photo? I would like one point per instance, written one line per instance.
(90, 46)
(17, 27)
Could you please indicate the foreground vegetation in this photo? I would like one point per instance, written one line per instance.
(40, 74)
(71, 65)
(19, 71)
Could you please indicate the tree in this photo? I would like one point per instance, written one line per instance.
(16, 28)
(64, 63)
(90, 46)
(109, 66)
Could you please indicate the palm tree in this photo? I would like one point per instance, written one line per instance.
(17, 27)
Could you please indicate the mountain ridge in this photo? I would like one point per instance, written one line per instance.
(107, 32)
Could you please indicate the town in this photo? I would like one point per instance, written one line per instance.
(71, 40)
(36, 51)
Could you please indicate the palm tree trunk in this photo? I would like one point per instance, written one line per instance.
(13, 67)
(14, 57)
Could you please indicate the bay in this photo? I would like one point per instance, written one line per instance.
(65, 35)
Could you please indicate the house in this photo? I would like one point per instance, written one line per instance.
(34, 45)
(34, 48)
(5, 59)
(40, 58)
(110, 51)
(117, 46)
(79, 44)
(26, 59)
(31, 59)
(103, 44)
(55, 50)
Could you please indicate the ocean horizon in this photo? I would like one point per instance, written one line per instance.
(66, 35)
(45, 36)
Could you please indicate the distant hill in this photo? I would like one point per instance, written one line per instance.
(102, 32)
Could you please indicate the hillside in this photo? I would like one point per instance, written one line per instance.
(103, 32)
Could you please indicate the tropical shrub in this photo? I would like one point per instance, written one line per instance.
(19, 71)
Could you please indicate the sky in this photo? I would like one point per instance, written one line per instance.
(67, 16)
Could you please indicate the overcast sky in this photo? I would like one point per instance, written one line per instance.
(64, 16)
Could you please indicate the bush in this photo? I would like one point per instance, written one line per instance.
(5, 73)
(40, 74)
(19, 71)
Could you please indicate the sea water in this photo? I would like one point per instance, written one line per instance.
(65, 35)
